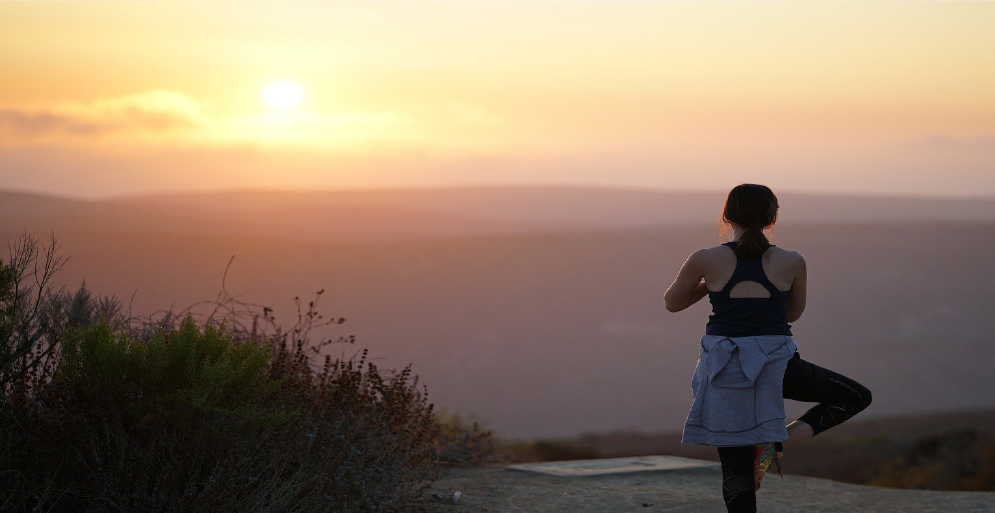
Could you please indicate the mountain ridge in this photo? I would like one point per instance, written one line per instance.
(383, 214)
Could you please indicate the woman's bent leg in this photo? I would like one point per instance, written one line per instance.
(737, 478)
(798, 431)
(839, 397)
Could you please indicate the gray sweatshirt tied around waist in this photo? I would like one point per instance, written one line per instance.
(737, 391)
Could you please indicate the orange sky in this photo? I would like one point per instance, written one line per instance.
(101, 99)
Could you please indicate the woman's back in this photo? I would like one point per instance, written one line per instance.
(708, 271)
(749, 297)
(781, 267)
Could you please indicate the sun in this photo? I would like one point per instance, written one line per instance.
(283, 94)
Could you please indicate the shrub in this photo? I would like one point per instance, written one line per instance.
(465, 442)
(35, 316)
(225, 413)
(186, 372)
(148, 425)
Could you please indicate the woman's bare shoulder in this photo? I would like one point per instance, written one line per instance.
(713, 257)
(714, 252)
(787, 256)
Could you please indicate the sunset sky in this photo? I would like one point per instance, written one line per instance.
(103, 99)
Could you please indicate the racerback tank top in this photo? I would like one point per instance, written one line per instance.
(748, 316)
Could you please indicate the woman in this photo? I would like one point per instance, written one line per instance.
(748, 361)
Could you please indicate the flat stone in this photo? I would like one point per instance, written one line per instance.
(607, 466)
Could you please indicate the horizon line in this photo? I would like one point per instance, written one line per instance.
(481, 186)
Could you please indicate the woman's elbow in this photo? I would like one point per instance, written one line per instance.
(674, 305)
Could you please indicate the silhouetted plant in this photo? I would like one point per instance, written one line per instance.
(228, 411)
(35, 315)
(465, 442)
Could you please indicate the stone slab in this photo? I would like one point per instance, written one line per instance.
(609, 466)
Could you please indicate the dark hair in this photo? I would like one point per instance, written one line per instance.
(753, 207)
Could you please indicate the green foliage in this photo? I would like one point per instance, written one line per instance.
(101, 413)
(195, 419)
(35, 317)
(184, 372)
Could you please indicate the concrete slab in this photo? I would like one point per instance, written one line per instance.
(608, 466)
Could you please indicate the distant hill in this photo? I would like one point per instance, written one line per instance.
(548, 321)
(585, 206)
(385, 215)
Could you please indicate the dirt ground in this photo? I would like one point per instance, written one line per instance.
(496, 489)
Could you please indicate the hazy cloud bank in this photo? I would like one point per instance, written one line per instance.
(143, 113)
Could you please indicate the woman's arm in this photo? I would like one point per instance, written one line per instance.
(799, 290)
(688, 288)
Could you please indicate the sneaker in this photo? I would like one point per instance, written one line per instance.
(766, 454)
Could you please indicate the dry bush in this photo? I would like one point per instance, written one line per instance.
(465, 442)
(223, 412)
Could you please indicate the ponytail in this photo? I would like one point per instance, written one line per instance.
(752, 244)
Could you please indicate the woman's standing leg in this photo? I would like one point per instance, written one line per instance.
(839, 398)
(737, 478)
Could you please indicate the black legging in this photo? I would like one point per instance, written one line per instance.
(839, 398)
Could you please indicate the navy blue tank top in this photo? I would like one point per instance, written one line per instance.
(748, 316)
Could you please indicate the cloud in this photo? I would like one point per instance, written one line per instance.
(163, 116)
(147, 112)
